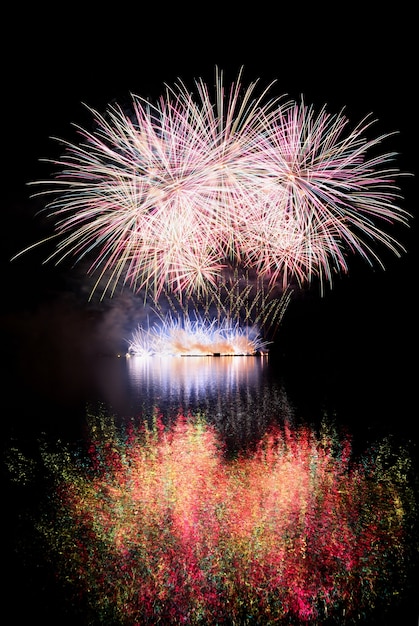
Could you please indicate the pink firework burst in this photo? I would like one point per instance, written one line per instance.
(175, 195)
(328, 196)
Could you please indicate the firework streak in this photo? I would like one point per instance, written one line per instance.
(227, 321)
(185, 337)
(175, 195)
(157, 524)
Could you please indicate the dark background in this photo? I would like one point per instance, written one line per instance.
(362, 334)
(359, 340)
(55, 63)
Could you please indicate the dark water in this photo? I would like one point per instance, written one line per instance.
(47, 394)
(50, 392)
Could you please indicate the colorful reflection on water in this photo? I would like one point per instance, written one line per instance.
(197, 375)
(241, 395)
(154, 522)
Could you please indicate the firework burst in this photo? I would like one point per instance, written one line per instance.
(233, 318)
(195, 337)
(177, 194)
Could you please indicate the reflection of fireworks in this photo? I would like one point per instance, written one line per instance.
(175, 194)
(176, 337)
(157, 524)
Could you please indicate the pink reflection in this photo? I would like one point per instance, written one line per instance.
(195, 375)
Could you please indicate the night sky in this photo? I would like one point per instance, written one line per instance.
(55, 64)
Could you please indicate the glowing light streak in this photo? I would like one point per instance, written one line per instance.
(174, 195)
(188, 337)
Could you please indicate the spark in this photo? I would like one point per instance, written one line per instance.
(177, 194)
(172, 336)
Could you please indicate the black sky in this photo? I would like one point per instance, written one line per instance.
(54, 61)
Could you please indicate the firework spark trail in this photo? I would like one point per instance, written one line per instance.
(330, 194)
(229, 320)
(176, 337)
(174, 195)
